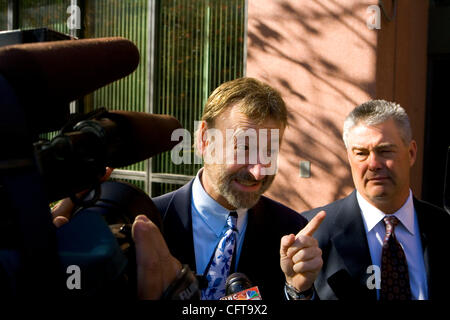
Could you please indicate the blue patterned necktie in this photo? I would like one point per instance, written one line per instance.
(219, 267)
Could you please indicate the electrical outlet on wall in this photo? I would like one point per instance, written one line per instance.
(305, 169)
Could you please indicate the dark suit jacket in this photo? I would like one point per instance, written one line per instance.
(268, 221)
(346, 255)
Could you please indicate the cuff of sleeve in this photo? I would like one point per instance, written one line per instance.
(293, 294)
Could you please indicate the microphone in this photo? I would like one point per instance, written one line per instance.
(48, 75)
(141, 136)
(239, 287)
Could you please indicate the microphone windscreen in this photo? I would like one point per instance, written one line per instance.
(144, 135)
(48, 75)
(236, 282)
(239, 287)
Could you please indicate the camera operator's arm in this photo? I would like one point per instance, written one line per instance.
(63, 210)
(156, 267)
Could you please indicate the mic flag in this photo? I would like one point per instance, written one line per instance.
(247, 294)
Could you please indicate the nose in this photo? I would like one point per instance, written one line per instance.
(374, 162)
(257, 171)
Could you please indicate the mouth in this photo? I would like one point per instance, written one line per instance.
(380, 179)
(247, 186)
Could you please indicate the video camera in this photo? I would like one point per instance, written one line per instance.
(93, 255)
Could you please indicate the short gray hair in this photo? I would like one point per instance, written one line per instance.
(374, 112)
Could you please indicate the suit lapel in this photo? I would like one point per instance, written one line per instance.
(350, 242)
(178, 226)
(424, 228)
(259, 258)
(255, 227)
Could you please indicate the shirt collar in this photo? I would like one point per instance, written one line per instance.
(210, 211)
(372, 215)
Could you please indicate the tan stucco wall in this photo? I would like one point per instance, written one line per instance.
(322, 57)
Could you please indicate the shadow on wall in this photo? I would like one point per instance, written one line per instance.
(320, 70)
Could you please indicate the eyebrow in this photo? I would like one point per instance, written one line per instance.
(380, 146)
(386, 145)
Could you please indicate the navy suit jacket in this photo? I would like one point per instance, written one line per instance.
(346, 255)
(268, 222)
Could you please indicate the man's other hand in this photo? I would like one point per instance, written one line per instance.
(301, 257)
(156, 267)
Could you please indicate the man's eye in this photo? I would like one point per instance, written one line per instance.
(386, 152)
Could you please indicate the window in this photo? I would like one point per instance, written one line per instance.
(43, 13)
(200, 44)
(3, 15)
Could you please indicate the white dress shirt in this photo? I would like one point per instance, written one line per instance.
(408, 235)
(209, 223)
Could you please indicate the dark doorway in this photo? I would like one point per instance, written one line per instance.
(437, 125)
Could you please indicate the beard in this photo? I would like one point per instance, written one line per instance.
(238, 199)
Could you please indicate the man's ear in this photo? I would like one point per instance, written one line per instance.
(202, 139)
(412, 152)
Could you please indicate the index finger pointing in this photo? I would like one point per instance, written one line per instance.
(313, 225)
